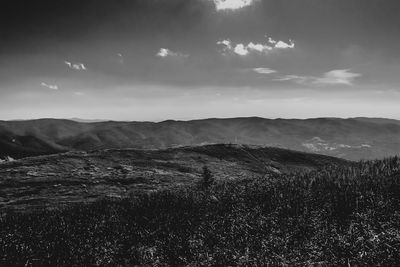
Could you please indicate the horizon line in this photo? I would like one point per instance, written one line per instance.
(82, 120)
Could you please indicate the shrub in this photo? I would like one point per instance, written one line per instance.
(207, 178)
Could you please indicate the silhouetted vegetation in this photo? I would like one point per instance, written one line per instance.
(207, 178)
(339, 216)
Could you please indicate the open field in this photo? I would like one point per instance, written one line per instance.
(313, 210)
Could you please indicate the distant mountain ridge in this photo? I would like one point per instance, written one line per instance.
(354, 139)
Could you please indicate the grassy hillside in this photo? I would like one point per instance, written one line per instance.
(354, 139)
(332, 216)
(77, 177)
(19, 146)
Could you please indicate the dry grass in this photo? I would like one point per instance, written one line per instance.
(337, 216)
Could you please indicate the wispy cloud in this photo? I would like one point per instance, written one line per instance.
(232, 4)
(75, 66)
(49, 86)
(120, 58)
(295, 78)
(338, 77)
(264, 70)
(333, 77)
(243, 50)
(79, 93)
(165, 52)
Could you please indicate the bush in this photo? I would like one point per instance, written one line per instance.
(207, 178)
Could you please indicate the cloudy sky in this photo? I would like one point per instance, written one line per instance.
(188, 59)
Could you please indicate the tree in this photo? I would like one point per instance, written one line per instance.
(208, 179)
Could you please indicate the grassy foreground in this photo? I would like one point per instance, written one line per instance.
(342, 216)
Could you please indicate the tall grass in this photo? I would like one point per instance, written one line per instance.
(337, 216)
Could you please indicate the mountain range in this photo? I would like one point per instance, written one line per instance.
(352, 139)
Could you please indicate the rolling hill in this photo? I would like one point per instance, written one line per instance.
(353, 139)
(75, 177)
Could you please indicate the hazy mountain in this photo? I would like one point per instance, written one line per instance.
(356, 138)
(85, 120)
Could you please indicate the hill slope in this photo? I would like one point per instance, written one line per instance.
(84, 177)
(337, 216)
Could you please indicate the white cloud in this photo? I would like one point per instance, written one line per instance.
(270, 40)
(79, 93)
(227, 46)
(50, 86)
(283, 45)
(337, 77)
(165, 52)
(333, 77)
(240, 49)
(226, 43)
(259, 47)
(264, 70)
(75, 66)
(243, 50)
(232, 4)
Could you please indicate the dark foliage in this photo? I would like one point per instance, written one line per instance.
(208, 179)
(337, 216)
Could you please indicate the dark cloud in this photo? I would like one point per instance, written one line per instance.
(81, 20)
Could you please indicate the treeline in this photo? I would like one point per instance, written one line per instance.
(336, 216)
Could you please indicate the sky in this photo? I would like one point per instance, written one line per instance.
(153, 60)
